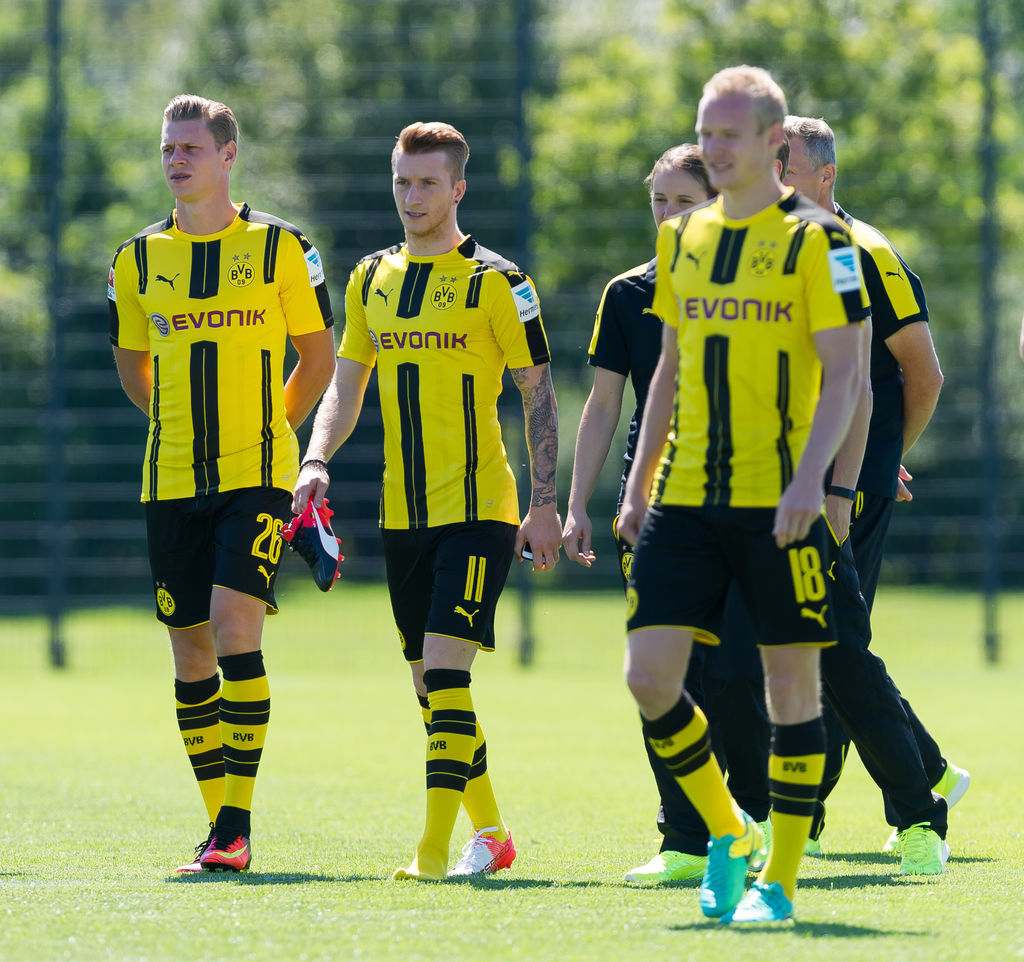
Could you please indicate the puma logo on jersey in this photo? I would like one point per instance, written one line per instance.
(818, 616)
(266, 574)
(459, 610)
(895, 273)
(690, 256)
(832, 571)
(380, 293)
(168, 280)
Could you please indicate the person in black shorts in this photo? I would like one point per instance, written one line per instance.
(202, 307)
(625, 345)
(440, 317)
(761, 365)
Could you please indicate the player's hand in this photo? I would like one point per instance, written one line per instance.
(311, 485)
(838, 511)
(576, 537)
(542, 530)
(902, 491)
(799, 507)
(631, 519)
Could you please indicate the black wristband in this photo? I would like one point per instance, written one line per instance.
(323, 464)
(839, 492)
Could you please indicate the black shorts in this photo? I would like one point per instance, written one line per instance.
(686, 558)
(232, 540)
(447, 580)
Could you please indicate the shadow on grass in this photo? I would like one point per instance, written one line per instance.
(853, 881)
(305, 878)
(800, 928)
(491, 882)
(892, 863)
(263, 878)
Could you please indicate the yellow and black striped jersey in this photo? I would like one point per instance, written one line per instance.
(215, 312)
(747, 296)
(441, 330)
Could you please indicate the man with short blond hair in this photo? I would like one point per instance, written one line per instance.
(202, 307)
(756, 388)
(440, 317)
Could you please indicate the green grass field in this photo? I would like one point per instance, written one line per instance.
(99, 803)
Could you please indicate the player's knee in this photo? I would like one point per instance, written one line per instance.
(791, 699)
(650, 688)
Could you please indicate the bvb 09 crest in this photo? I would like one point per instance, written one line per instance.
(164, 601)
(241, 273)
(443, 297)
(632, 600)
(762, 261)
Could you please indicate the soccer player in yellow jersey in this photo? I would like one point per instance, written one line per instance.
(627, 342)
(764, 355)
(440, 317)
(202, 305)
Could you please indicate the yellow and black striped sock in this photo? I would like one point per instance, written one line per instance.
(478, 799)
(795, 768)
(681, 739)
(197, 706)
(450, 745)
(244, 715)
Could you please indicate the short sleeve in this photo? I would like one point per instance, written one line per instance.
(356, 341)
(129, 326)
(833, 279)
(666, 301)
(303, 291)
(516, 319)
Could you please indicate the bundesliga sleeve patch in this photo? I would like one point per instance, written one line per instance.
(315, 267)
(111, 293)
(527, 302)
(845, 269)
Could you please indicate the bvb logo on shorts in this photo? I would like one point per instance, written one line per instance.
(164, 601)
(241, 274)
(632, 600)
(443, 297)
(401, 638)
(627, 564)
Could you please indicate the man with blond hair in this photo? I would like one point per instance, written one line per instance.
(202, 307)
(440, 317)
(763, 355)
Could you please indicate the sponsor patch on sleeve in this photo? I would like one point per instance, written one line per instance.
(111, 293)
(526, 301)
(844, 267)
(315, 267)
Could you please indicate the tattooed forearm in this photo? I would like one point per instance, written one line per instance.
(541, 416)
